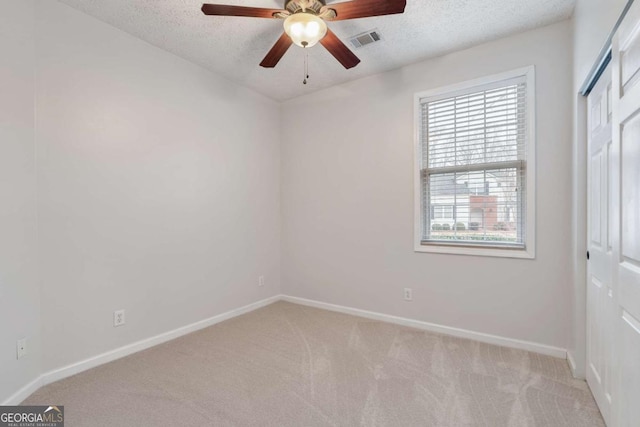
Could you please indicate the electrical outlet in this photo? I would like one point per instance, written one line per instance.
(261, 281)
(21, 348)
(118, 318)
(408, 294)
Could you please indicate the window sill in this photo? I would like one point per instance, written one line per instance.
(527, 253)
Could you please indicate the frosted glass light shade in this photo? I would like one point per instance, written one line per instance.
(305, 29)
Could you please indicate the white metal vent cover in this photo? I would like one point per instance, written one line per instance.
(365, 38)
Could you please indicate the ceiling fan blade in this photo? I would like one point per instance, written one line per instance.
(226, 10)
(366, 8)
(277, 51)
(338, 49)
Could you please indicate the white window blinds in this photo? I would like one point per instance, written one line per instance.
(473, 147)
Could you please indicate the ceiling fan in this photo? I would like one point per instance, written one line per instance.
(304, 23)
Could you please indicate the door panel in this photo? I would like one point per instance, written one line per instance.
(595, 331)
(625, 211)
(629, 277)
(609, 191)
(630, 231)
(629, 409)
(600, 306)
(596, 199)
(628, 50)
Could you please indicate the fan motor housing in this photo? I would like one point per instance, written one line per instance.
(313, 6)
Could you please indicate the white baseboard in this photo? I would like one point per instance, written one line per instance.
(92, 362)
(571, 362)
(135, 347)
(23, 393)
(109, 356)
(577, 373)
(432, 327)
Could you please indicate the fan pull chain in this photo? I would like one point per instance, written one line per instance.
(306, 67)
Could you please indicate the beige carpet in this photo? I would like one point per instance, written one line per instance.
(289, 365)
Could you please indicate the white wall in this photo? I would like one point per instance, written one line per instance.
(19, 292)
(593, 21)
(158, 188)
(159, 191)
(347, 199)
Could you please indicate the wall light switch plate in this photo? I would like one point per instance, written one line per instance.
(261, 281)
(408, 294)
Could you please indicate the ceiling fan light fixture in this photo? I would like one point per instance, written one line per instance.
(305, 29)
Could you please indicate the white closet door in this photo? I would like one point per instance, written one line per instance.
(625, 211)
(600, 303)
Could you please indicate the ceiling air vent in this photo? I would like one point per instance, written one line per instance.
(365, 38)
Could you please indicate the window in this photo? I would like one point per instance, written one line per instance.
(442, 211)
(475, 167)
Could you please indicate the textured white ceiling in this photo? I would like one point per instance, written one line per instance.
(234, 46)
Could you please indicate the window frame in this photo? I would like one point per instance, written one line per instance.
(464, 248)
